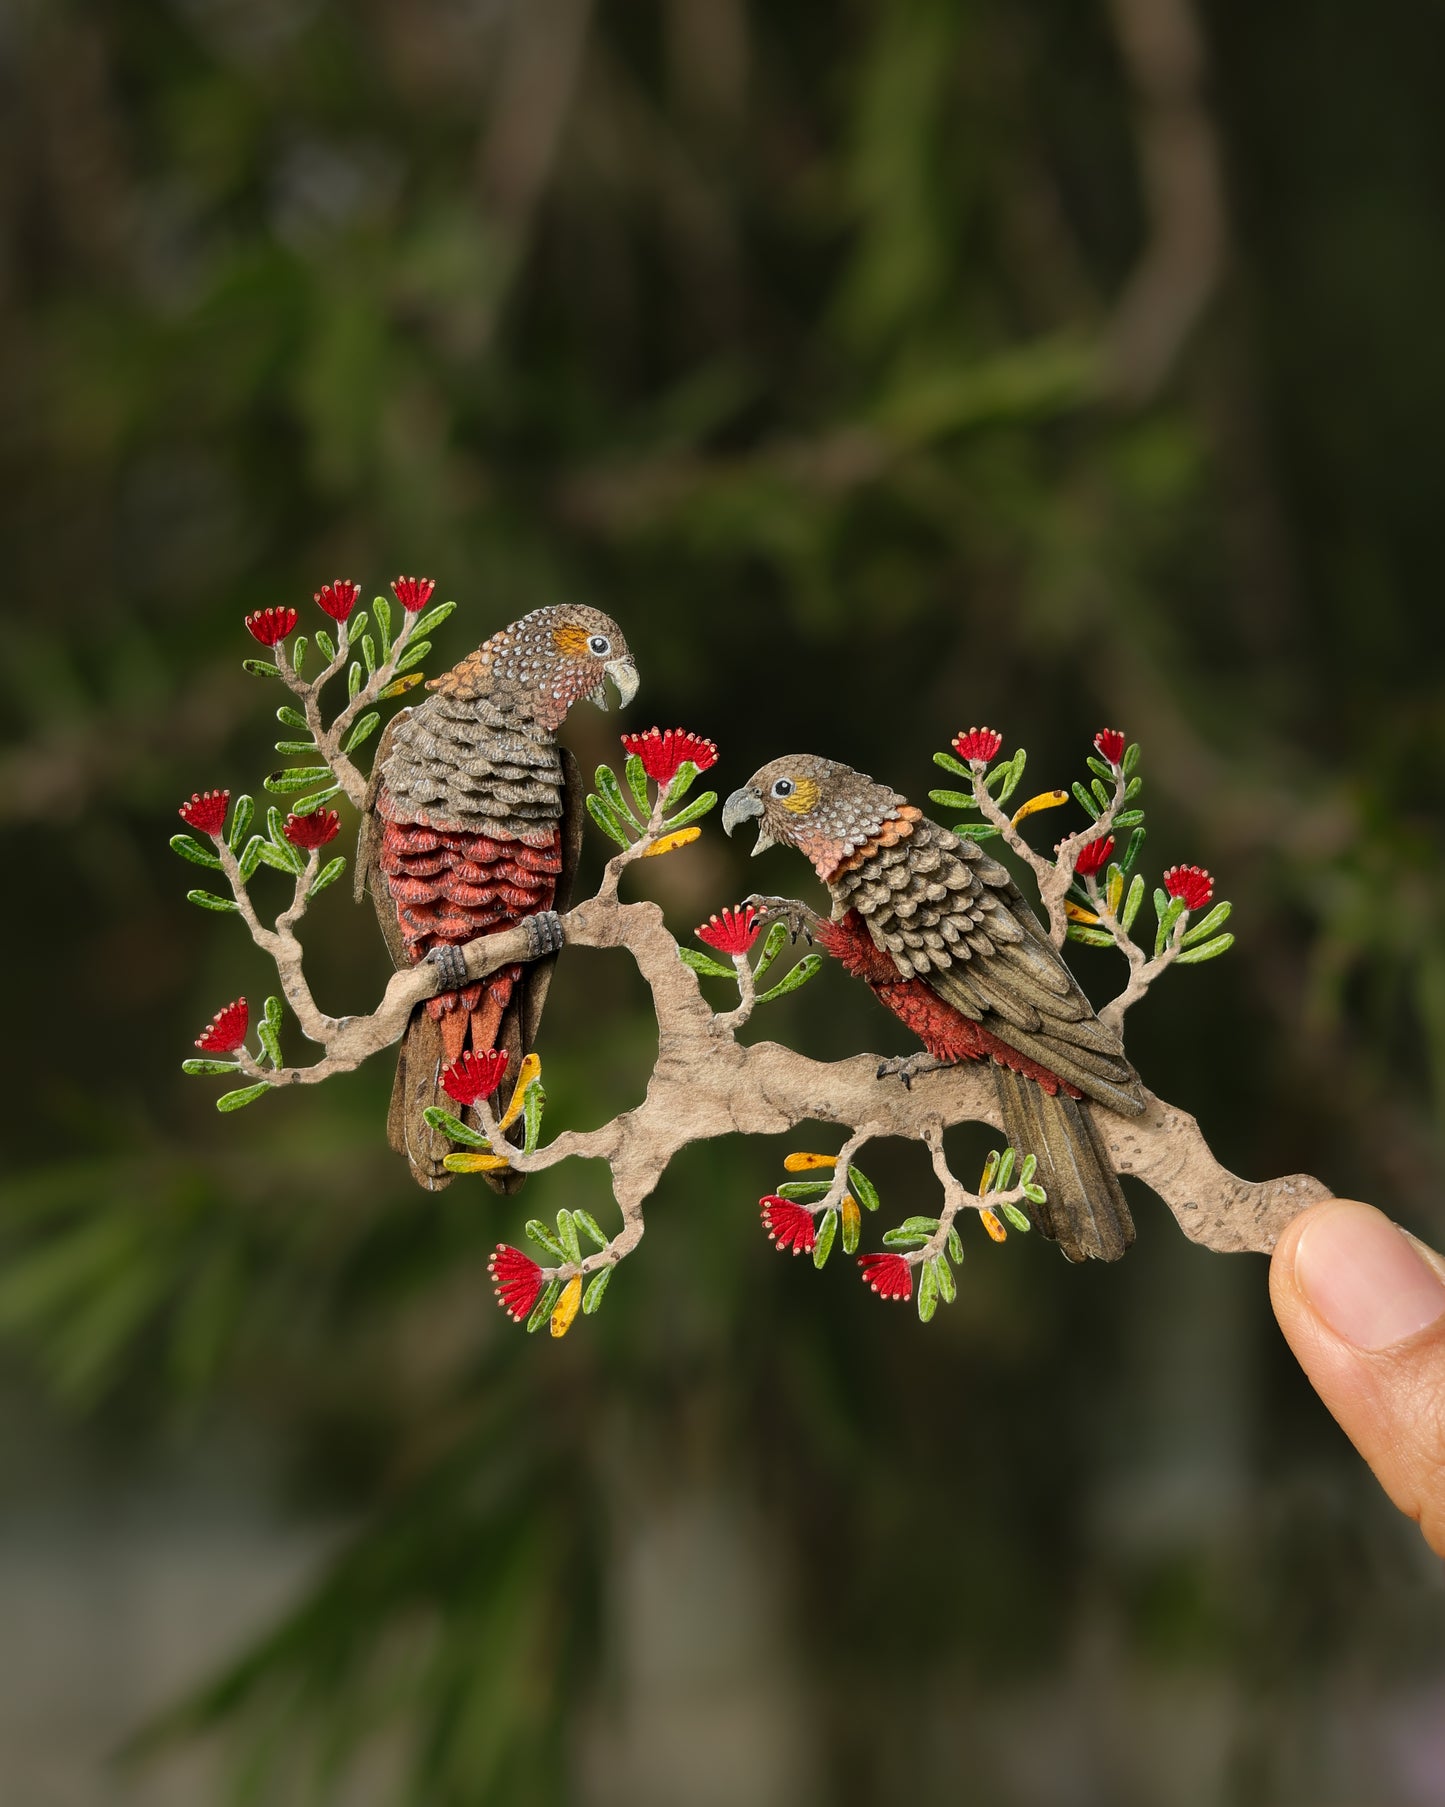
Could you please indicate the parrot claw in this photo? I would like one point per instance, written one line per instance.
(451, 964)
(544, 934)
(907, 1067)
(797, 916)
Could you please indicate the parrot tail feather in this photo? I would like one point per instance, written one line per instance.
(1085, 1211)
(421, 1057)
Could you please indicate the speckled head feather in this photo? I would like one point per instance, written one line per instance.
(824, 809)
(539, 666)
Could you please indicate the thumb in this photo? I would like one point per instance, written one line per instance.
(1363, 1307)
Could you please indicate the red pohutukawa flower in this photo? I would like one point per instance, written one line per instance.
(1192, 883)
(981, 744)
(206, 811)
(1111, 744)
(734, 932)
(227, 1029)
(1093, 856)
(890, 1276)
(339, 598)
(474, 1075)
(271, 626)
(788, 1225)
(517, 1281)
(413, 593)
(662, 751)
(312, 831)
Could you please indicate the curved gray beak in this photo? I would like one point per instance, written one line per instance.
(623, 674)
(746, 806)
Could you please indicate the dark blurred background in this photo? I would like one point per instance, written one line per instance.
(883, 369)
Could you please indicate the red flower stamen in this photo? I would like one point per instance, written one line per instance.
(206, 811)
(1192, 883)
(663, 751)
(1093, 856)
(312, 831)
(474, 1075)
(517, 1281)
(271, 626)
(1111, 744)
(227, 1029)
(977, 745)
(339, 598)
(890, 1276)
(413, 593)
(734, 932)
(789, 1226)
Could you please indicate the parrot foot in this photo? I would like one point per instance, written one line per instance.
(544, 934)
(799, 918)
(451, 963)
(907, 1067)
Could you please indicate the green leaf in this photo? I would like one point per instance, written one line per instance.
(567, 1235)
(433, 618)
(207, 900)
(1085, 801)
(1101, 769)
(1205, 927)
(1173, 910)
(326, 643)
(1013, 771)
(952, 799)
(1035, 1194)
(1091, 937)
(273, 1012)
(210, 1066)
(256, 850)
(589, 1226)
(260, 668)
(823, 1247)
(1129, 818)
(697, 808)
(1103, 794)
(191, 849)
(950, 764)
(980, 831)
(445, 1124)
(863, 1189)
(681, 784)
(544, 1307)
(534, 1102)
(368, 650)
(1209, 951)
(611, 790)
(293, 718)
(296, 778)
(270, 1041)
(637, 784)
(705, 964)
(353, 681)
(927, 1292)
(955, 1243)
(363, 731)
(804, 1188)
(1132, 789)
(947, 1285)
(605, 820)
(1003, 1179)
(1019, 1219)
(1029, 1169)
(307, 804)
(852, 1231)
(381, 608)
(919, 1226)
(241, 813)
(545, 1238)
(328, 875)
(903, 1239)
(416, 651)
(772, 947)
(1136, 841)
(1131, 759)
(596, 1286)
(298, 653)
(235, 1101)
(1132, 901)
(295, 746)
(793, 978)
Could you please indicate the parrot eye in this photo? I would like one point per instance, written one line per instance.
(783, 787)
(599, 645)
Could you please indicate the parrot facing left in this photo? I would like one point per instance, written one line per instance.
(472, 825)
(946, 940)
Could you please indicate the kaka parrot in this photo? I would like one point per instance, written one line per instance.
(943, 936)
(472, 824)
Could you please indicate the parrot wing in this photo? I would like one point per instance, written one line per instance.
(368, 876)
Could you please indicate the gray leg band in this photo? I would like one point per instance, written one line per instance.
(544, 934)
(451, 963)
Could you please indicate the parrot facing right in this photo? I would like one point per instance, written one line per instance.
(945, 939)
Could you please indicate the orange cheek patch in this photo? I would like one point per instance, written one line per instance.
(571, 642)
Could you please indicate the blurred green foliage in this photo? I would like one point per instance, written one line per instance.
(784, 334)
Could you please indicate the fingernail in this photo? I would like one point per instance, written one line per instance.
(1365, 1279)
